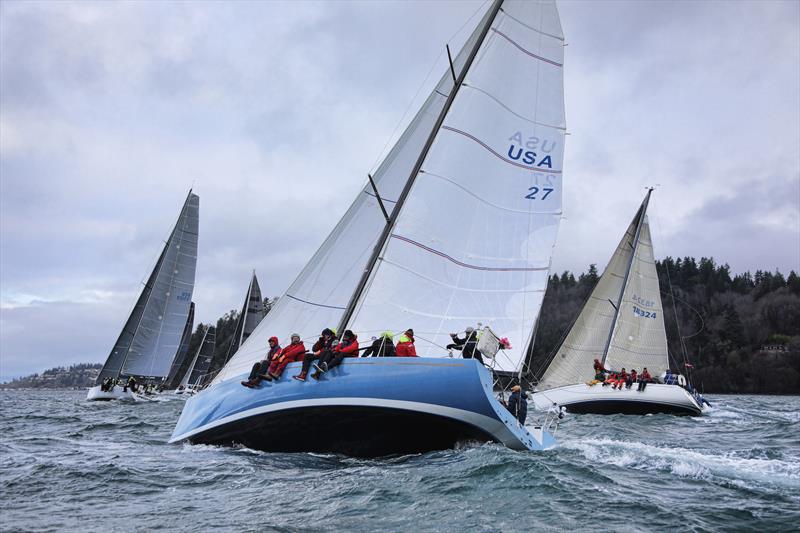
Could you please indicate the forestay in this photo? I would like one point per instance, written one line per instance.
(474, 239)
(638, 339)
(319, 295)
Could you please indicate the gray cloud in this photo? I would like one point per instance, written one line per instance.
(276, 112)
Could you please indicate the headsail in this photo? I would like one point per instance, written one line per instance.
(180, 362)
(622, 322)
(251, 315)
(151, 336)
(491, 217)
(201, 359)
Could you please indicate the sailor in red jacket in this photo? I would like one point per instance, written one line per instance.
(290, 354)
(405, 346)
(622, 377)
(347, 347)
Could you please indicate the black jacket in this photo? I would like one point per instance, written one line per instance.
(518, 406)
(381, 347)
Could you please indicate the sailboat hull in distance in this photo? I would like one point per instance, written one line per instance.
(597, 399)
(365, 407)
(117, 393)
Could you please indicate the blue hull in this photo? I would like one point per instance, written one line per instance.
(365, 407)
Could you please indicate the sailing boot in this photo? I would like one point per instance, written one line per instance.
(276, 377)
(300, 377)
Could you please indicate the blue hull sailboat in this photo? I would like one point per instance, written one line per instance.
(453, 230)
(369, 407)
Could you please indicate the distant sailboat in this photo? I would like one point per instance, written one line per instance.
(249, 318)
(181, 361)
(455, 228)
(198, 368)
(621, 325)
(150, 339)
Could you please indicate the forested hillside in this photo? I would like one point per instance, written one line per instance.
(741, 333)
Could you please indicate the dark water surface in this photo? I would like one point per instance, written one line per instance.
(67, 464)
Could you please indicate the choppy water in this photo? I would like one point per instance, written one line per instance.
(66, 464)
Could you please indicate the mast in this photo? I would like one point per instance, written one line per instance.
(639, 223)
(156, 271)
(387, 230)
(243, 318)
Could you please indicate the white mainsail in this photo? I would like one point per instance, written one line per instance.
(151, 337)
(474, 238)
(622, 322)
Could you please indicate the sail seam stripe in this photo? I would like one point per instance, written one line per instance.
(415, 273)
(466, 265)
(515, 19)
(490, 149)
(486, 201)
(382, 198)
(312, 303)
(504, 106)
(523, 50)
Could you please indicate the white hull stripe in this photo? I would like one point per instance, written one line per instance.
(495, 428)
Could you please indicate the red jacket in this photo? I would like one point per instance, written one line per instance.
(645, 376)
(349, 350)
(405, 348)
(293, 352)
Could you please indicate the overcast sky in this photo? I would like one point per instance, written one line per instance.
(275, 112)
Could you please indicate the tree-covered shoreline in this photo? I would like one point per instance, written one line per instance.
(741, 333)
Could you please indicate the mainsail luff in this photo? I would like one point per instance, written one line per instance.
(390, 224)
(641, 215)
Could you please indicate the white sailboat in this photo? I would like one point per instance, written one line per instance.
(455, 228)
(621, 325)
(150, 338)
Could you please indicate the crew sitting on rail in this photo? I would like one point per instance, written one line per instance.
(347, 347)
(323, 344)
(631, 379)
(290, 354)
(261, 368)
(381, 346)
(468, 345)
(644, 379)
(622, 377)
(405, 345)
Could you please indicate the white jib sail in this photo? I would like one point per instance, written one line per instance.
(319, 295)
(474, 239)
(640, 338)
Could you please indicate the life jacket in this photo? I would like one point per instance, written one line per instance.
(349, 349)
(293, 352)
(405, 347)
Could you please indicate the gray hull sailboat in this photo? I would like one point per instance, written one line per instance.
(622, 327)
(151, 337)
